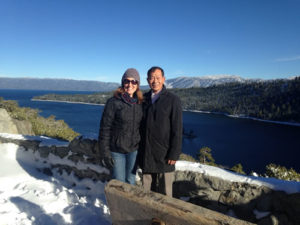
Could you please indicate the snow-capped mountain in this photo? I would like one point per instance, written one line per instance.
(203, 81)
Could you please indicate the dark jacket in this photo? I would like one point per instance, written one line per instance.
(119, 127)
(161, 132)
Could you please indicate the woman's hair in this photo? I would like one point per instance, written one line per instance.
(138, 93)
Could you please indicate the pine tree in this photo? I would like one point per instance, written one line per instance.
(238, 168)
(205, 156)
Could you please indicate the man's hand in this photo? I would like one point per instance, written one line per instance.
(171, 162)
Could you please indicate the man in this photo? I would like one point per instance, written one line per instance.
(161, 134)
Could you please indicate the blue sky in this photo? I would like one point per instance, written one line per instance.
(99, 40)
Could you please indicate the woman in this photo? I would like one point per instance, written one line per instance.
(119, 135)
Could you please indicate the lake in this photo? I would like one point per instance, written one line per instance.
(252, 143)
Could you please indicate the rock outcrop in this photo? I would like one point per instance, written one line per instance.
(23, 127)
(6, 123)
(13, 126)
(253, 203)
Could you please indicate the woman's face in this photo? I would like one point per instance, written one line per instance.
(130, 86)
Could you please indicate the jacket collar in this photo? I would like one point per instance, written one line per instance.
(162, 92)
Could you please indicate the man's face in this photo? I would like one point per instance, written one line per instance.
(156, 81)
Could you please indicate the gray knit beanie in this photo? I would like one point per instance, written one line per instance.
(131, 73)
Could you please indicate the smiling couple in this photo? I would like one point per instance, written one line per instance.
(142, 131)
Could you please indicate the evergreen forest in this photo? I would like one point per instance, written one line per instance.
(277, 100)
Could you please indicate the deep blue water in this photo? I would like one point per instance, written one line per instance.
(252, 143)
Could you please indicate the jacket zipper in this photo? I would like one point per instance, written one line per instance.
(133, 121)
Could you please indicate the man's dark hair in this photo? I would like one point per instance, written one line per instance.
(152, 69)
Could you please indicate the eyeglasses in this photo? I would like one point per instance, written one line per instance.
(133, 82)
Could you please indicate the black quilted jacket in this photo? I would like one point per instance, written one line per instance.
(119, 127)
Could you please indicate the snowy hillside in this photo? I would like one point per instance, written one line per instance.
(204, 81)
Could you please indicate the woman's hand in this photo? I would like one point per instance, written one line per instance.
(108, 162)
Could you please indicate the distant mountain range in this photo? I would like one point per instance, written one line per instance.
(56, 84)
(98, 86)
